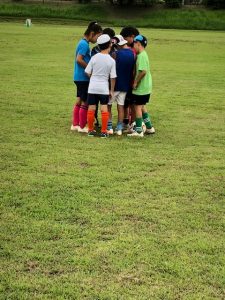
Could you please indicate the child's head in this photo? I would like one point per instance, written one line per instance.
(104, 42)
(129, 32)
(93, 31)
(119, 41)
(109, 31)
(140, 42)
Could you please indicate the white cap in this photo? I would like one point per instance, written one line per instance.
(102, 39)
(121, 39)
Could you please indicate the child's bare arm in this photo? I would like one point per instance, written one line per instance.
(137, 80)
(88, 74)
(113, 82)
(81, 61)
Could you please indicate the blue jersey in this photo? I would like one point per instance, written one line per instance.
(84, 50)
(125, 62)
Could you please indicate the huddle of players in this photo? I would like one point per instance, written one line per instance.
(118, 71)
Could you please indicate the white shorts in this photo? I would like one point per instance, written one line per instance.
(118, 97)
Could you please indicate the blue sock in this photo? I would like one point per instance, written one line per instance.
(109, 126)
(119, 126)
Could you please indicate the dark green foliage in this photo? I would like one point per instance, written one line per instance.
(173, 3)
(218, 4)
(149, 2)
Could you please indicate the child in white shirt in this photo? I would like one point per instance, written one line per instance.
(100, 68)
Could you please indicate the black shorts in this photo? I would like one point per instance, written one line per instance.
(93, 99)
(140, 99)
(82, 89)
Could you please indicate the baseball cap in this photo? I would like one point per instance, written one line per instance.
(102, 39)
(121, 40)
(142, 39)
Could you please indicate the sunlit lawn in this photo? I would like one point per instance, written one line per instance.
(116, 218)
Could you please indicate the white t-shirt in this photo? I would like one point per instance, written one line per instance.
(101, 67)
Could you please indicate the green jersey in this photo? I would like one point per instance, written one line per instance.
(145, 85)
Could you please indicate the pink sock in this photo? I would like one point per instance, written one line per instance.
(83, 115)
(76, 111)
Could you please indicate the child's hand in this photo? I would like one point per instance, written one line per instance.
(135, 84)
(111, 94)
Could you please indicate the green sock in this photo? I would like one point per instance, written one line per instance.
(139, 125)
(147, 120)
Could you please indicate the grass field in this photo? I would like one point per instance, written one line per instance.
(112, 219)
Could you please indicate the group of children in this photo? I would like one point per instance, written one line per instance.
(116, 70)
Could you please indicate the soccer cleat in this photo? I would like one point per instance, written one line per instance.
(136, 134)
(104, 135)
(92, 133)
(132, 127)
(83, 130)
(150, 130)
(144, 127)
(119, 132)
(74, 128)
(110, 131)
(126, 128)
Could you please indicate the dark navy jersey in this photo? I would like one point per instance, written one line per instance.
(125, 62)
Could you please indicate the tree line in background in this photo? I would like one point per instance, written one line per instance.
(215, 4)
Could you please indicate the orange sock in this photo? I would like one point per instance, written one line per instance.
(91, 119)
(105, 117)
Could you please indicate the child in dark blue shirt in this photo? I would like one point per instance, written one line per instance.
(125, 62)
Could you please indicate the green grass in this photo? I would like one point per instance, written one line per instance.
(110, 219)
(142, 17)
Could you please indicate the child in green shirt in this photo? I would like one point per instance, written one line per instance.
(142, 88)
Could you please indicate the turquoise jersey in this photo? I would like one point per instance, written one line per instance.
(84, 50)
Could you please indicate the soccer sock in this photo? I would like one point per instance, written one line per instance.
(90, 119)
(147, 120)
(83, 115)
(76, 111)
(119, 126)
(105, 117)
(109, 126)
(139, 125)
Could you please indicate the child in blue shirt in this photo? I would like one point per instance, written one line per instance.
(125, 62)
(82, 58)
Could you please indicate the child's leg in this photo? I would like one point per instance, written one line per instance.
(127, 104)
(109, 125)
(96, 115)
(139, 120)
(120, 109)
(76, 111)
(105, 117)
(146, 117)
(83, 114)
(91, 117)
(132, 112)
(120, 99)
(126, 116)
(84, 107)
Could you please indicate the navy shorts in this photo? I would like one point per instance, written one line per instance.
(140, 99)
(82, 89)
(94, 99)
